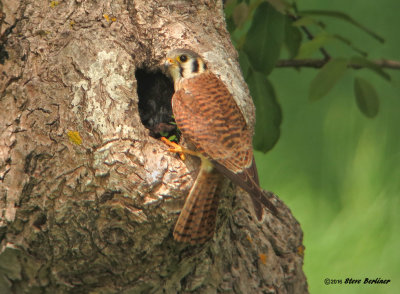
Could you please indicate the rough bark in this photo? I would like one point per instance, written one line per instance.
(97, 215)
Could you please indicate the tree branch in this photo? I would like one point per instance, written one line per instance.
(318, 63)
(311, 37)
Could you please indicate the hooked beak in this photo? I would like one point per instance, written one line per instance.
(168, 63)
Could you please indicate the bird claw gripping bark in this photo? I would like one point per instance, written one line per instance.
(174, 148)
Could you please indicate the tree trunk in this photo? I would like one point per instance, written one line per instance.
(88, 194)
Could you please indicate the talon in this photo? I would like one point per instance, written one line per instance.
(175, 148)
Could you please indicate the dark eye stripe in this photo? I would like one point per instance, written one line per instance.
(181, 70)
(195, 66)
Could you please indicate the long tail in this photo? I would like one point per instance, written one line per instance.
(196, 223)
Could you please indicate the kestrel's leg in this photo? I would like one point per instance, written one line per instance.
(176, 148)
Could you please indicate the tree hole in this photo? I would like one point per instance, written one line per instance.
(155, 91)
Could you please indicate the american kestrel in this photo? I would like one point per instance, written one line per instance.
(208, 116)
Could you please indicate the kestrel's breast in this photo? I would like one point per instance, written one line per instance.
(207, 114)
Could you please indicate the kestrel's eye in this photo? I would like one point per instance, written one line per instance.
(183, 58)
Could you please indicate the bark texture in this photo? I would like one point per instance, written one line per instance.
(88, 199)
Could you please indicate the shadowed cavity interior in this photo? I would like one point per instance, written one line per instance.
(155, 91)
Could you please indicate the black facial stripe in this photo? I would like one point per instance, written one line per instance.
(204, 66)
(181, 70)
(195, 66)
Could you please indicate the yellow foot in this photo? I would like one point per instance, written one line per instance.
(175, 148)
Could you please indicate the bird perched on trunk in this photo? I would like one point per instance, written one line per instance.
(208, 116)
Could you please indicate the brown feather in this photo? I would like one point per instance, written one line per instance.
(247, 183)
(209, 117)
(196, 222)
(207, 114)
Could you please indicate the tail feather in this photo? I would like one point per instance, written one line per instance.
(196, 222)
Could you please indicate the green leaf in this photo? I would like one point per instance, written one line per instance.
(230, 25)
(268, 112)
(264, 38)
(363, 62)
(280, 5)
(163, 134)
(306, 21)
(366, 97)
(238, 36)
(310, 47)
(240, 14)
(348, 43)
(172, 138)
(345, 17)
(327, 77)
(244, 63)
(229, 7)
(292, 38)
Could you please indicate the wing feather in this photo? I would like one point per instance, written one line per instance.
(207, 114)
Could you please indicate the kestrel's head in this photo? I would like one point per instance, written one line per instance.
(184, 64)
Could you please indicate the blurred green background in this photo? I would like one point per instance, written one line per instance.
(338, 171)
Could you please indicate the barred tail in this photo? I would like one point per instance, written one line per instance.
(196, 223)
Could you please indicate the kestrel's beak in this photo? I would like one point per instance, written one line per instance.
(171, 67)
(168, 62)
